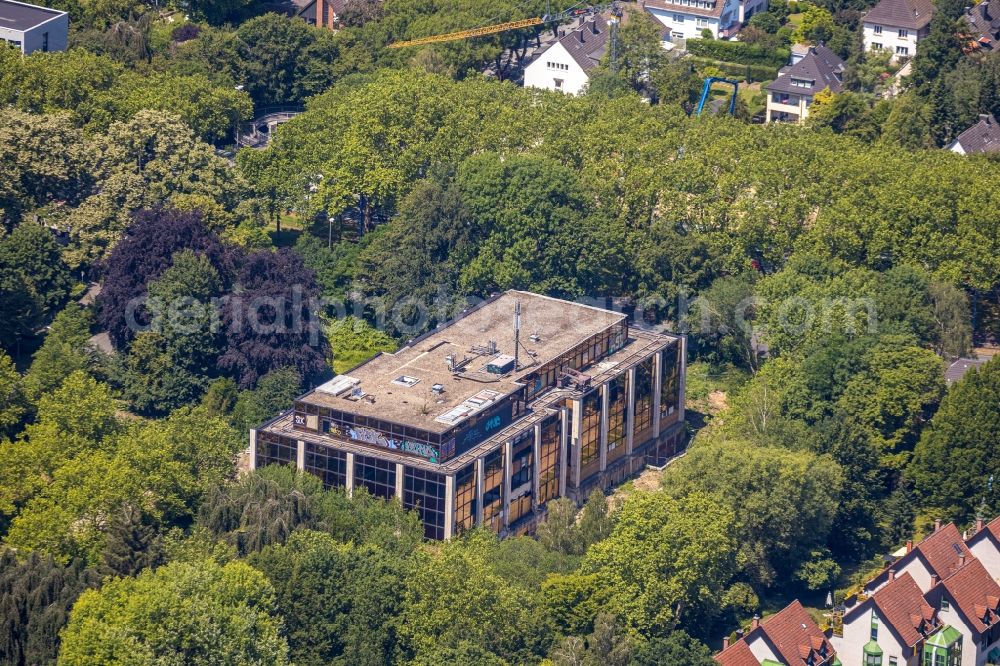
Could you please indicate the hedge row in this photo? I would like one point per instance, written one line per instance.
(736, 70)
(745, 54)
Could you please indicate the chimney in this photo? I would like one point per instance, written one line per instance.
(755, 622)
(593, 27)
(725, 642)
(937, 524)
(934, 580)
(319, 13)
(979, 521)
(892, 575)
(579, 34)
(909, 545)
(985, 9)
(961, 560)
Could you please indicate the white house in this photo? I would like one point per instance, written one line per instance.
(981, 138)
(888, 627)
(686, 19)
(565, 64)
(30, 28)
(968, 601)
(897, 26)
(790, 95)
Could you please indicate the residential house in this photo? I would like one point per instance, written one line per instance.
(687, 19)
(961, 367)
(968, 601)
(984, 22)
(787, 638)
(897, 26)
(321, 13)
(790, 95)
(889, 627)
(981, 138)
(30, 28)
(565, 64)
(933, 559)
(984, 544)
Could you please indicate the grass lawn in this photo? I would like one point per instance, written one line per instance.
(292, 227)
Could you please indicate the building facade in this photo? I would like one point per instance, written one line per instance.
(897, 26)
(476, 424)
(565, 65)
(687, 19)
(31, 28)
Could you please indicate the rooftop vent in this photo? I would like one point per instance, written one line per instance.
(338, 385)
(501, 365)
(535, 337)
(405, 380)
(438, 388)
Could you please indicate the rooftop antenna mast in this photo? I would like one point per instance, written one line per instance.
(517, 334)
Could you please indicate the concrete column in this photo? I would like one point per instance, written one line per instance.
(575, 441)
(630, 413)
(253, 449)
(602, 448)
(349, 469)
(536, 455)
(300, 456)
(682, 355)
(657, 364)
(449, 506)
(399, 481)
(508, 453)
(563, 443)
(479, 490)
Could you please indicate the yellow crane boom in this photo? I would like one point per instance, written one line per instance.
(465, 34)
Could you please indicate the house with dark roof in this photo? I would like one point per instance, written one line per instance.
(888, 627)
(968, 601)
(984, 22)
(30, 28)
(984, 544)
(790, 95)
(321, 13)
(981, 138)
(931, 560)
(962, 366)
(565, 64)
(787, 638)
(687, 19)
(897, 26)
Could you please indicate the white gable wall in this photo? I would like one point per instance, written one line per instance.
(857, 633)
(761, 648)
(984, 548)
(556, 65)
(889, 39)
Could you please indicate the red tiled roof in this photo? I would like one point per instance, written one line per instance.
(737, 654)
(903, 606)
(795, 636)
(994, 527)
(792, 634)
(975, 593)
(942, 549)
